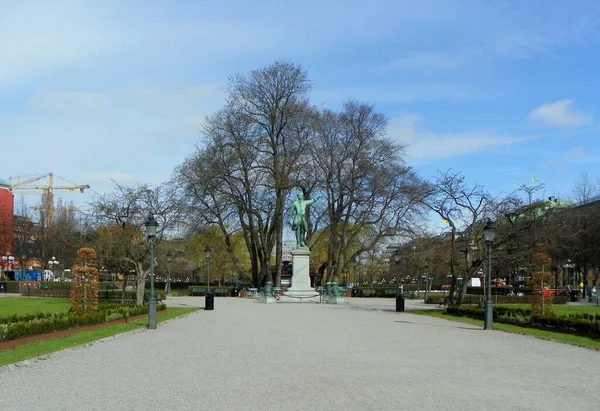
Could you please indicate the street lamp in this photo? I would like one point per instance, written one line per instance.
(209, 301)
(489, 232)
(7, 261)
(52, 264)
(151, 225)
(400, 262)
(168, 285)
(428, 279)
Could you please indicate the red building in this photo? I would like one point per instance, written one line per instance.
(6, 218)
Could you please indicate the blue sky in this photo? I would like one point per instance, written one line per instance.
(117, 90)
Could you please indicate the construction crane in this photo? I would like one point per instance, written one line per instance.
(48, 194)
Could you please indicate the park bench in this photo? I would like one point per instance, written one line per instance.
(220, 292)
(369, 293)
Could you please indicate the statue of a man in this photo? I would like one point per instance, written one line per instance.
(297, 218)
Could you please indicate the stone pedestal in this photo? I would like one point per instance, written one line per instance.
(300, 275)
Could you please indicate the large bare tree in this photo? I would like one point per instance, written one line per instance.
(250, 157)
(122, 242)
(461, 207)
(371, 193)
(586, 190)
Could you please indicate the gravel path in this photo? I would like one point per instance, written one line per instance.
(360, 356)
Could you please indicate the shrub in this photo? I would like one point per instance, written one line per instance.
(115, 315)
(435, 299)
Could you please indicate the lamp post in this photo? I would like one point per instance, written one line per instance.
(23, 268)
(151, 225)
(489, 232)
(400, 262)
(427, 279)
(52, 264)
(209, 301)
(168, 285)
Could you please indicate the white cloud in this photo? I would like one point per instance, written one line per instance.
(559, 114)
(425, 147)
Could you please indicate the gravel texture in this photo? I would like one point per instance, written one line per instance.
(357, 356)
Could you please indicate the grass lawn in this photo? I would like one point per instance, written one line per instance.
(546, 335)
(37, 349)
(25, 305)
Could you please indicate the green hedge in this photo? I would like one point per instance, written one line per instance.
(12, 286)
(19, 326)
(195, 290)
(103, 295)
(470, 299)
(108, 295)
(382, 292)
(581, 324)
(527, 299)
(390, 292)
(21, 329)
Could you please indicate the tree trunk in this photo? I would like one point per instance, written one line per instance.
(141, 284)
(124, 287)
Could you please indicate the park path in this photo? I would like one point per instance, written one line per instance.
(360, 356)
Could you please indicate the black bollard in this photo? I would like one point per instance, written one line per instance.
(209, 302)
(399, 303)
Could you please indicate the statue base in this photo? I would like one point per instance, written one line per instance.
(267, 299)
(335, 300)
(301, 288)
(300, 297)
(301, 293)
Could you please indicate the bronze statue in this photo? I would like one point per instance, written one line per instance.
(297, 218)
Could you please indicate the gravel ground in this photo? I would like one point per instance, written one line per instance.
(358, 356)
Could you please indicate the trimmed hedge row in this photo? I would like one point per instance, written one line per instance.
(505, 299)
(46, 325)
(195, 290)
(381, 292)
(103, 295)
(581, 324)
(18, 326)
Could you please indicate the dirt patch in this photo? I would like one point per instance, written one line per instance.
(12, 344)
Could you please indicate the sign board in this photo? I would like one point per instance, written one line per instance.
(475, 282)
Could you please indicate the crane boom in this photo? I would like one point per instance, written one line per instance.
(48, 195)
(80, 188)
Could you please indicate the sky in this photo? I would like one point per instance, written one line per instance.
(98, 92)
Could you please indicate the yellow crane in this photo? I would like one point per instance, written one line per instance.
(48, 194)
